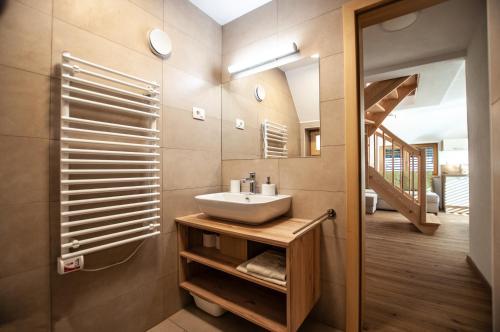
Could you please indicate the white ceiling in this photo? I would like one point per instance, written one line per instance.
(224, 11)
(441, 31)
(435, 81)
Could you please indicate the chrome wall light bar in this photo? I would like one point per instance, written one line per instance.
(282, 57)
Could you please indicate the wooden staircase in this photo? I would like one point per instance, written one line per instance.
(382, 97)
(402, 181)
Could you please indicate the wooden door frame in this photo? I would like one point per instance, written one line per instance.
(358, 14)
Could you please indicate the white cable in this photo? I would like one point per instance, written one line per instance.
(117, 263)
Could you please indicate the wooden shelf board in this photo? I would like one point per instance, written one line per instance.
(278, 232)
(260, 306)
(215, 259)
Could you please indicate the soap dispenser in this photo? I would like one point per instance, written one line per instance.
(268, 188)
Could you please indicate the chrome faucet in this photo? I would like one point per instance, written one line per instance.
(252, 183)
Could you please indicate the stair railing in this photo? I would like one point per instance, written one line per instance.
(401, 164)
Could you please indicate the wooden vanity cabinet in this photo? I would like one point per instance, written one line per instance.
(211, 273)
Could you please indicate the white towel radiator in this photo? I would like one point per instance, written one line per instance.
(275, 137)
(109, 159)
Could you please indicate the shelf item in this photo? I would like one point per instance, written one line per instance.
(275, 137)
(215, 259)
(109, 158)
(212, 274)
(264, 308)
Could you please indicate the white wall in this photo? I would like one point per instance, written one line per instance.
(478, 118)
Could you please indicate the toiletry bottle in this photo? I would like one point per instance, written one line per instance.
(268, 188)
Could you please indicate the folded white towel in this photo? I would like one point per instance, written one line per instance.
(269, 266)
(243, 268)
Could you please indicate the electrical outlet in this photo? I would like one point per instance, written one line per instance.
(70, 264)
(240, 124)
(198, 113)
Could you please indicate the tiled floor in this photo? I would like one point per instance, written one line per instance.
(191, 319)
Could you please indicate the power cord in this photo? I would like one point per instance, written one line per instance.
(129, 257)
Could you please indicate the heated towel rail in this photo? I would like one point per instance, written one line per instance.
(109, 158)
(275, 137)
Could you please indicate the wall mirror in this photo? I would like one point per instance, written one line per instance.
(273, 113)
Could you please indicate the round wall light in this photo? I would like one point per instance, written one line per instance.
(260, 93)
(399, 23)
(160, 43)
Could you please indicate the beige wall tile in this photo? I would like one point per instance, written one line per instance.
(24, 103)
(493, 11)
(184, 132)
(44, 6)
(321, 35)
(178, 203)
(184, 91)
(24, 171)
(330, 308)
(333, 260)
(184, 169)
(25, 38)
(238, 141)
(111, 20)
(310, 204)
(186, 17)
(170, 254)
(291, 12)
(326, 173)
(139, 309)
(154, 7)
(174, 297)
(259, 23)
(24, 237)
(331, 77)
(236, 106)
(192, 56)
(239, 169)
(91, 289)
(332, 122)
(25, 302)
(100, 50)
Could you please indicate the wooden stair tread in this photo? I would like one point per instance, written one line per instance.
(369, 122)
(432, 219)
(377, 108)
(393, 94)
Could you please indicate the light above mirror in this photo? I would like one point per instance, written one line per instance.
(284, 55)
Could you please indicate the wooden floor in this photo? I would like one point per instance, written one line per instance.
(417, 282)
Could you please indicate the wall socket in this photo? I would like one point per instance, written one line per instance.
(198, 113)
(69, 265)
(240, 124)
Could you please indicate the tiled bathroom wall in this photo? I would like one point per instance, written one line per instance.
(238, 102)
(137, 295)
(315, 183)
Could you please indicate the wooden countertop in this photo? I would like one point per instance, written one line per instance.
(278, 232)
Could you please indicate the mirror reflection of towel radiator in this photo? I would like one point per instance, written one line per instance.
(275, 137)
(109, 158)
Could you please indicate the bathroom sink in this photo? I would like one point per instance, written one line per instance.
(245, 208)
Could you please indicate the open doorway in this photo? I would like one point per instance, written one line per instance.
(427, 253)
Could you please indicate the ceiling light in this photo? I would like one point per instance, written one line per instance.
(282, 57)
(399, 23)
(315, 56)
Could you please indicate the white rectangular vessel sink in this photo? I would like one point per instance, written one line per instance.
(245, 208)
